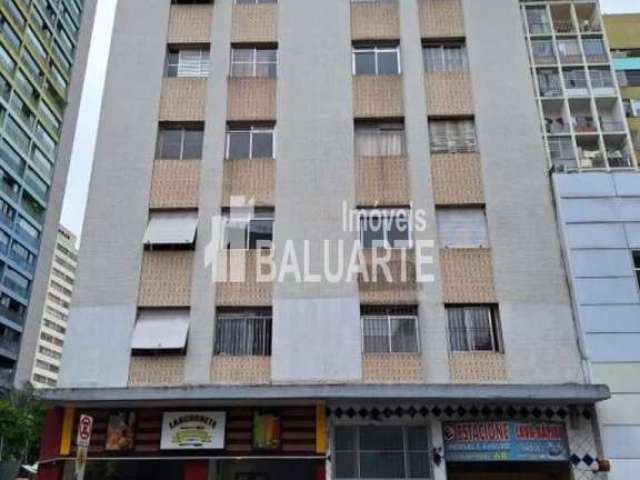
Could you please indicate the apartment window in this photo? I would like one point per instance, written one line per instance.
(245, 333)
(390, 330)
(382, 451)
(254, 62)
(188, 62)
(543, 51)
(376, 60)
(601, 78)
(385, 229)
(474, 328)
(629, 78)
(462, 228)
(249, 232)
(452, 136)
(250, 141)
(177, 142)
(569, 50)
(636, 264)
(379, 139)
(445, 57)
(594, 50)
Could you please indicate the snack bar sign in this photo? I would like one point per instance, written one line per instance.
(193, 430)
(505, 441)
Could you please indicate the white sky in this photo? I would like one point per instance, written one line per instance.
(82, 157)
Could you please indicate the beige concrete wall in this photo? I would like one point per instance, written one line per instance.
(251, 99)
(247, 292)
(392, 368)
(165, 280)
(467, 275)
(254, 23)
(394, 292)
(441, 18)
(174, 184)
(377, 96)
(449, 93)
(382, 181)
(253, 178)
(457, 179)
(156, 370)
(183, 99)
(190, 23)
(244, 370)
(477, 367)
(375, 21)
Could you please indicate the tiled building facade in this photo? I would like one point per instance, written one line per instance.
(311, 109)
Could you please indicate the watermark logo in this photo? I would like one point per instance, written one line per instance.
(378, 245)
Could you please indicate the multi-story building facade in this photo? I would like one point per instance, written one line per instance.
(623, 32)
(597, 191)
(38, 45)
(53, 329)
(233, 130)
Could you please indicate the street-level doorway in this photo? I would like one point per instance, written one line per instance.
(270, 469)
(509, 471)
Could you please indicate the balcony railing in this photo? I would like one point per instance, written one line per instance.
(619, 159)
(15, 317)
(592, 159)
(11, 346)
(6, 377)
(564, 26)
(26, 237)
(612, 126)
(539, 28)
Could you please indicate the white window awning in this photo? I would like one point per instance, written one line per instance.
(171, 228)
(161, 330)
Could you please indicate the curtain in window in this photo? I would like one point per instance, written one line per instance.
(472, 329)
(237, 336)
(379, 142)
(404, 337)
(452, 136)
(376, 337)
(193, 63)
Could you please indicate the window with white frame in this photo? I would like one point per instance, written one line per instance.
(462, 227)
(382, 451)
(243, 333)
(188, 62)
(376, 60)
(474, 328)
(453, 136)
(379, 139)
(390, 330)
(385, 228)
(248, 232)
(254, 62)
(250, 141)
(180, 142)
(445, 57)
(636, 264)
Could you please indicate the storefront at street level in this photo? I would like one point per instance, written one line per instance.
(328, 432)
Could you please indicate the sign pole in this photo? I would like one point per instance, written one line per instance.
(85, 427)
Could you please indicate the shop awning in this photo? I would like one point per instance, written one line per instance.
(171, 228)
(161, 331)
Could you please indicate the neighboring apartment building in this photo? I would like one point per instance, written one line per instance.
(597, 190)
(623, 32)
(38, 45)
(46, 366)
(317, 111)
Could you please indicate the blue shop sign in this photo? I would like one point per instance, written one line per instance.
(505, 441)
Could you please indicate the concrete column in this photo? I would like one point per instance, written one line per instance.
(431, 311)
